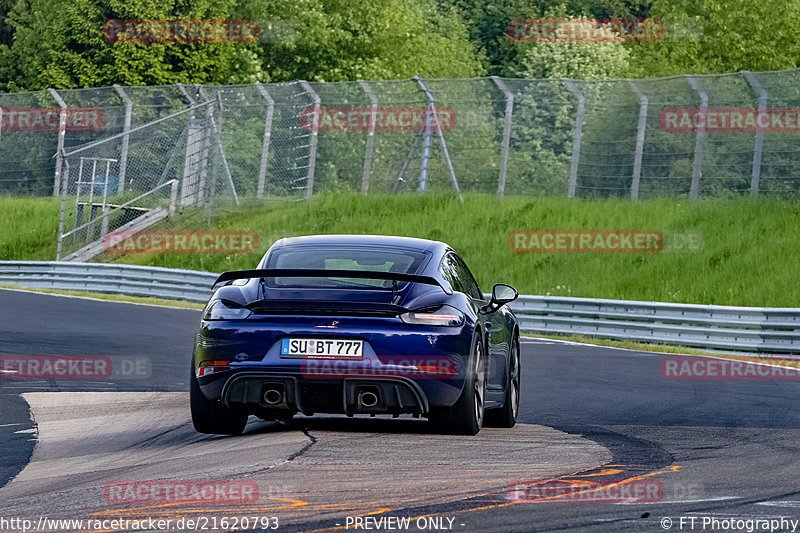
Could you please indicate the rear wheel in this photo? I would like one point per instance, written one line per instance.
(506, 416)
(211, 416)
(465, 417)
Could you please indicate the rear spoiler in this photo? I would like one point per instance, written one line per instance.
(322, 273)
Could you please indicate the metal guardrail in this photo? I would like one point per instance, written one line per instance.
(750, 329)
(758, 329)
(133, 280)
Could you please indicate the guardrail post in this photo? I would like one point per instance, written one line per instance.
(431, 113)
(126, 127)
(262, 169)
(576, 138)
(640, 131)
(312, 156)
(752, 79)
(62, 131)
(501, 181)
(697, 164)
(370, 136)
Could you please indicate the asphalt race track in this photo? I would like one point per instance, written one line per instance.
(721, 449)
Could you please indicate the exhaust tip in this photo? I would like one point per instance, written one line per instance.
(368, 399)
(273, 397)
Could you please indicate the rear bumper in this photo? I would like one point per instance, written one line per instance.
(274, 394)
(395, 356)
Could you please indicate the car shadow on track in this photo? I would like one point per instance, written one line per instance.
(344, 424)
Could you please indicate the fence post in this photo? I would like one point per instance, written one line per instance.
(426, 146)
(262, 169)
(501, 182)
(312, 156)
(189, 184)
(216, 128)
(697, 164)
(431, 112)
(752, 79)
(63, 210)
(640, 131)
(370, 136)
(62, 131)
(576, 139)
(173, 196)
(123, 158)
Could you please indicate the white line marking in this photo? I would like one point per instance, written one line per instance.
(790, 503)
(34, 291)
(715, 499)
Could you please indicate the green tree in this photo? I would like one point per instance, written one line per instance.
(338, 40)
(61, 44)
(733, 35)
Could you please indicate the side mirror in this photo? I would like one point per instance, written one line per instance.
(502, 294)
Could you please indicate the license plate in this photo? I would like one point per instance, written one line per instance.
(324, 348)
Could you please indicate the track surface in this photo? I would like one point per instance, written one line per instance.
(721, 449)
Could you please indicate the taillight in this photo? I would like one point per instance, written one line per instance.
(445, 369)
(444, 316)
(211, 367)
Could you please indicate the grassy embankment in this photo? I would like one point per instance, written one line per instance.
(749, 253)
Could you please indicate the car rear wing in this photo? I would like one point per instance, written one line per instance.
(323, 273)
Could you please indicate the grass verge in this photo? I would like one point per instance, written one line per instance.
(747, 257)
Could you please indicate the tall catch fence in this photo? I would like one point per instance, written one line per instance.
(122, 158)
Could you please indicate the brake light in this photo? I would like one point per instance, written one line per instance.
(438, 369)
(211, 367)
(440, 317)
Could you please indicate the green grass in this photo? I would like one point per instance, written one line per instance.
(29, 228)
(749, 256)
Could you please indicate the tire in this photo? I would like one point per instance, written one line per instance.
(465, 417)
(506, 416)
(211, 416)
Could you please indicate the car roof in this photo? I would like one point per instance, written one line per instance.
(422, 245)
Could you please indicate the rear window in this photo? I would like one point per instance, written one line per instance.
(343, 258)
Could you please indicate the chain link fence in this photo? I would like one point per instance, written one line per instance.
(118, 154)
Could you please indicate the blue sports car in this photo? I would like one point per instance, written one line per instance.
(356, 324)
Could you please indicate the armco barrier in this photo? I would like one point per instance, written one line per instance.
(748, 329)
(133, 280)
(760, 329)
